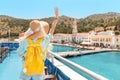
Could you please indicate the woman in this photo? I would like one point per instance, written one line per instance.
(38, 29)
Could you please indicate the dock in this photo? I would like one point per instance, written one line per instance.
(3, 53)
(78, 53)
(10, 45)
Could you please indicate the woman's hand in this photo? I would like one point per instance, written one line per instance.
(56, 12)
(54, 22)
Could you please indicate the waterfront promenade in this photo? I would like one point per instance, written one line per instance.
(91, 50)
(77, 53)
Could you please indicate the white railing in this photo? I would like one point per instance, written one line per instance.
(76, 66)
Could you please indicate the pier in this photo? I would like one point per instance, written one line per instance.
(3, 53)
(78, 53)
(12, 45)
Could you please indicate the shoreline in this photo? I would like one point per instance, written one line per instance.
(86, 52)
(91, 50)
(70, 45)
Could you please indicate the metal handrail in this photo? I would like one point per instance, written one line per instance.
(88, 72)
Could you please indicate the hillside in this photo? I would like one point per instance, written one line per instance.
(104, 16)
(109, 19)
(97, 22)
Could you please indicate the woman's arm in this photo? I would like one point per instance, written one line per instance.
(54, 22)
(21, 50)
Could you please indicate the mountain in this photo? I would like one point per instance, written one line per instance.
(105, 20)
(5, 17)
(104, 16)
(110, 20)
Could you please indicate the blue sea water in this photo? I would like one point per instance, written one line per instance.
(57, 48)
(11, 67)
(106, 64)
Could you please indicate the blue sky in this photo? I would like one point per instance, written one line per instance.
(45, 8)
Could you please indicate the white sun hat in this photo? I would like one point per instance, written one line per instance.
(43, 26)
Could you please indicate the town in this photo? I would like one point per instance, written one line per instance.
(103, 39)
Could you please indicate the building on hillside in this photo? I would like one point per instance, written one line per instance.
(84, 38)
(117, 42)
(104, 39)
(60, 38)
(68, 38)
(110, 28)
(74, 37)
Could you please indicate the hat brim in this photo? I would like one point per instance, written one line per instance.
(45, 27)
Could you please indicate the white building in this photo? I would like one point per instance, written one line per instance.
(84, 37)
(101, 39)
(117, 41)
(75, 36)
(59, 37)
(104, 39)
